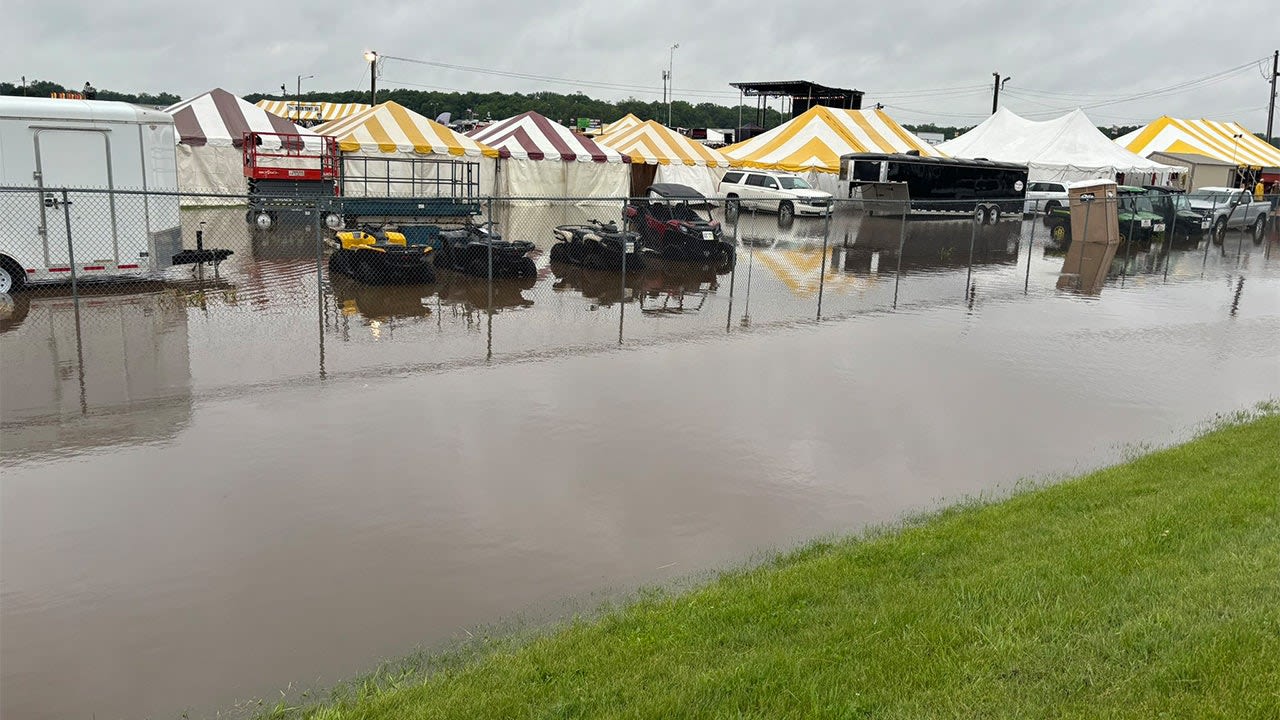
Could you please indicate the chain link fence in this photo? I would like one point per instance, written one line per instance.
(121, 285)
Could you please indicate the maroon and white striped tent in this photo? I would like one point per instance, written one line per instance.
(540, 158)
(210, 129)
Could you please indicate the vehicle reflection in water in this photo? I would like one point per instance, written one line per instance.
(662, 287)
(114, 371)
(932, 245)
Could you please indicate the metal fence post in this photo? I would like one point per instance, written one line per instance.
(1213, 229)
(822, 273)
(973, 237)
(489, 247)
(733, 271)
(902, 241)
(751, 261)
(622, 298)
(71, 249)
(315, 226)
(1031, 244)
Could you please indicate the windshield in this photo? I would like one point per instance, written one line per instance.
(793, 183)
(1180, 202)
(1209, 196)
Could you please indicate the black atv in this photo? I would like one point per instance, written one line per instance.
(469, 249)
(379, 256)
(598, 245)
(667, 221)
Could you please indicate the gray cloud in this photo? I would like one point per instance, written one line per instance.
(1060, 55)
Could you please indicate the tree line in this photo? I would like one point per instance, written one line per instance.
(496, 106)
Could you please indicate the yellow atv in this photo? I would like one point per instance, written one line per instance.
(378, 256)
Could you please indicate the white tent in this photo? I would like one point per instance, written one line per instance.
(210, 129)
(1063, 149)
(538, 158)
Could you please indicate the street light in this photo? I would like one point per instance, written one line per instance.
(671, 65)
(371, 57)
(297, 98)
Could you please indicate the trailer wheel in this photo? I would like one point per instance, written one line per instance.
(333, 221)
(980, 215)
(993, 214)
(12, 276)
(263, 220)
(1059, 232)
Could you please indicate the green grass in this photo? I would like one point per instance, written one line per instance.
(1146, 590)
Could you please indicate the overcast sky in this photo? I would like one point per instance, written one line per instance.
(924, 61)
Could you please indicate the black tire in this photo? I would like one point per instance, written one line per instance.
(786, 212)
(1049, 207)
(672, 251)
(336, 263)
(364, 270)
(1058, 232)
(11, 275)
(993, 214)
(1219, 231)
(980, 215)
(1259, 228)
(526, 268)
(559, 253)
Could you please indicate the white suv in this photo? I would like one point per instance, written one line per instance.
(786, 193)
(1043, 197)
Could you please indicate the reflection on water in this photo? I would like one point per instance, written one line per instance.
(111, 369)
(192, 516)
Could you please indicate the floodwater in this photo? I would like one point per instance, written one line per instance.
(219, 487)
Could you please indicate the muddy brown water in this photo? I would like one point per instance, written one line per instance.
(218, 487)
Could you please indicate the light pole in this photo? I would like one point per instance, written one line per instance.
(671, 61)
(297, 99)
(371, 57)
(995, 95)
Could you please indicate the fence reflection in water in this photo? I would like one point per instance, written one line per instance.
(532, 278)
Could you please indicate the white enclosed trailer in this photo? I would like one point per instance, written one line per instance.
(78, 190)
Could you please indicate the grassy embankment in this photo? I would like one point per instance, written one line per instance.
(1149, 589)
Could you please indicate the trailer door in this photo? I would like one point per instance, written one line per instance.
(76, 159)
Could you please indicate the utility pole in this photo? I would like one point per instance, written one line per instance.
(995, 91)
(1271, 107)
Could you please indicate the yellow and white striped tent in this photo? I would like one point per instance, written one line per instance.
(677, 158)
(377, 143)
(816, 139)
(1226, 141)
(391, 127)
(307, 111)
(627, 122)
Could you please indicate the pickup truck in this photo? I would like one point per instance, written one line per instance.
(1230, 208)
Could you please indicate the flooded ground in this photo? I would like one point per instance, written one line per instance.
(216, 487)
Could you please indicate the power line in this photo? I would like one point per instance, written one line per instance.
(564, 81)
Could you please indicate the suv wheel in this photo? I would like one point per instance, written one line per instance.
(786, 212)
(1049, 207)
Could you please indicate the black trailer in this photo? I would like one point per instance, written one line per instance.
(935, 183)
